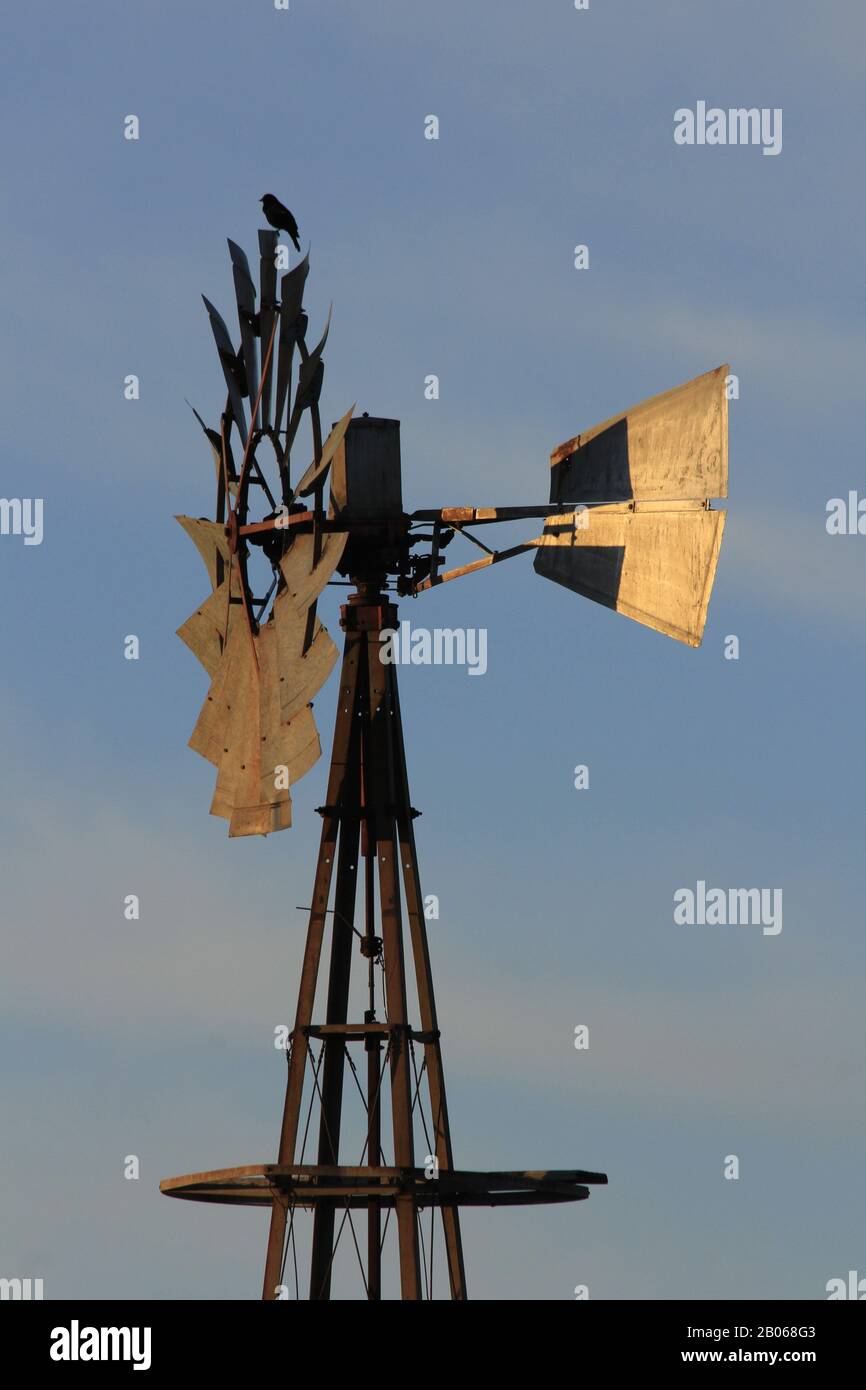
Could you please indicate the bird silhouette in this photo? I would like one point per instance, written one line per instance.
(280, 217)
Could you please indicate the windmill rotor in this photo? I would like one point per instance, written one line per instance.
(259, 640)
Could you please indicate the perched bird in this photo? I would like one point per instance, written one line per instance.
(280, 217)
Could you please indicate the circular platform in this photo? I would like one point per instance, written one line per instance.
(305, 1184)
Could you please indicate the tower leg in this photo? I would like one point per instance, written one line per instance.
(426, 998)
(381, 826)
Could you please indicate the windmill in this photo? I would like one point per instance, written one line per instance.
(629, 524)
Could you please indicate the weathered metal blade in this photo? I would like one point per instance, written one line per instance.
(267, 308)
(301, 673)
(209, 539)
(269, 794)
(654, 562)
(206, 630)
(234, 377)
(291, 299)
(310, 371)
(672, 446)
(237, 783)
(306, 575)
(208, 738)
(213, 439)
(300, 745)
(245, 294)
(317, 471)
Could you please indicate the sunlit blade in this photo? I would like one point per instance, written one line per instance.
(300, 745)
(274, 779)
(204, 630)
(655, 563)
(307, 576)
(237, 783)
(209, 539)
(317, 471)
(301, 674)
(671, 446)
(208, 737)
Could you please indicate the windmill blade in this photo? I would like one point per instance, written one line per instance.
(303, 671)
(300, 745)
(305, 573)
(267, 308)
(245, 294)
(206, 630)
(271, 795)
(241, 729)
(208, 738)
(291, 299)
(311, 372)
(209, 539)
(672, 446)
(317, 471)
(235, 379)
(654, 562)
(238, 774)
(213, 439)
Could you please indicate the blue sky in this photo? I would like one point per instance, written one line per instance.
(452, 257)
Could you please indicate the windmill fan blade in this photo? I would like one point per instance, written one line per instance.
(249, 784)
(245, 294)
(291, 295)
(311, 371)
(209, 539)
(206, 630)
(212, 438)
(208, 738)
(302, 672)
(235, 378)
(267, 307)
(273, 790)
(673, 446)
(305, 576)
(317, 471)
(654, 562)
(256, 725)
(237, 784)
